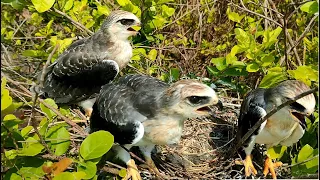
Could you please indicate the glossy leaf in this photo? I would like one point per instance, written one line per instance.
(96, 145)
(89, 168)
(42, 6)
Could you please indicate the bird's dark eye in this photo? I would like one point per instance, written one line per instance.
(297, 107)
(195, 99)
(126, 22)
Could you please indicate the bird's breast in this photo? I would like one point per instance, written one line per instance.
(279, 129)
(162, 132)
(121, 52)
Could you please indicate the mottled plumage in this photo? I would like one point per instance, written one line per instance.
(80, 71)
(285, 127)
(143, 111)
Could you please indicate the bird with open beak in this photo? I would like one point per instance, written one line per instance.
(144, 111)
(79, 72)
(285, 127)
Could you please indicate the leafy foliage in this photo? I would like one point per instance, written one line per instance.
(235, 48)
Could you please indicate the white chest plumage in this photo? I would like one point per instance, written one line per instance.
(280, 128)
(121, 52)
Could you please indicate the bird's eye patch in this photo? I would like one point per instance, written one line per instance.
(297, 106)
(198, 99)
(126, 22)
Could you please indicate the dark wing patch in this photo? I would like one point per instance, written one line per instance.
(252, 109)
(81, 85)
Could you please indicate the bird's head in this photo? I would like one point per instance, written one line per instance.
(191, 99)
(304, 106)
(121, 25)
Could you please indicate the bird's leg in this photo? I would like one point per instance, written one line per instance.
(132, 171)
(248, 166)
(146, 151)
(269, 167)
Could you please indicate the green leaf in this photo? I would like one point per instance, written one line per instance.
(137, 52)
(42, 6)
(96, 145)
(267, 59)
(276, 152)
(310, 7)
(272, 79)
(123, 173)
(152, 54)
(6, 99)
(230, 59)
(103, 10)
(233, 16)
(63, 141)
(123, 2)
(270, 37)
(253, 67)
(309, 167)
(68, 5)
(31, 147)
(79, 175)
(64, 176)
(243, 38)
(48, 111)
(235, 50)
(174, 74)
(305, 74)
(167, 11)
(89, 168)
(10, 154)
(11, 121)
(25, 131)
(220, 63)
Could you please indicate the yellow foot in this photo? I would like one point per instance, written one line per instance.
(152, 166)
(88, 113)
(132, 171)
(248, 166)
(269, 167)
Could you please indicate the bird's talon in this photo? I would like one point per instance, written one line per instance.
(248, 167)
(132, 171)
(269, 166)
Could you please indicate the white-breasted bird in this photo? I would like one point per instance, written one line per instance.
(144, 111)
(285, 127)
(79, 72)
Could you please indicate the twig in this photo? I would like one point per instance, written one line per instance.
(252, 12)
(307, 160)
(287, 34)
(73, 21)
(301, 36)
(273, 111)
(43, 74)
(68, 121)
(7, 53)
(10, 135)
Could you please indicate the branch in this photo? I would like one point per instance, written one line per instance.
(273, 111)
(82, 27)
(252, 12)
(301, 36)
(68, 121)
(43, 74)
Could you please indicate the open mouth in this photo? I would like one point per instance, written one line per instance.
(204, 109)
(301, 119)
(131, 29)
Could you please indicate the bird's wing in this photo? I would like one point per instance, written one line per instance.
(113, 111)
(252, 109)
(121, 107)
(146, 93)
(78, 73)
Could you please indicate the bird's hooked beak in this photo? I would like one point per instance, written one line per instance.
(134, 29)
(312, 117)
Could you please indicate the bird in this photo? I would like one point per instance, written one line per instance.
(78, 74)
(285, 127)
(143, 111)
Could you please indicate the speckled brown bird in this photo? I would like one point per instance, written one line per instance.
(144, 111)
(79, 72)
(285, 127)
